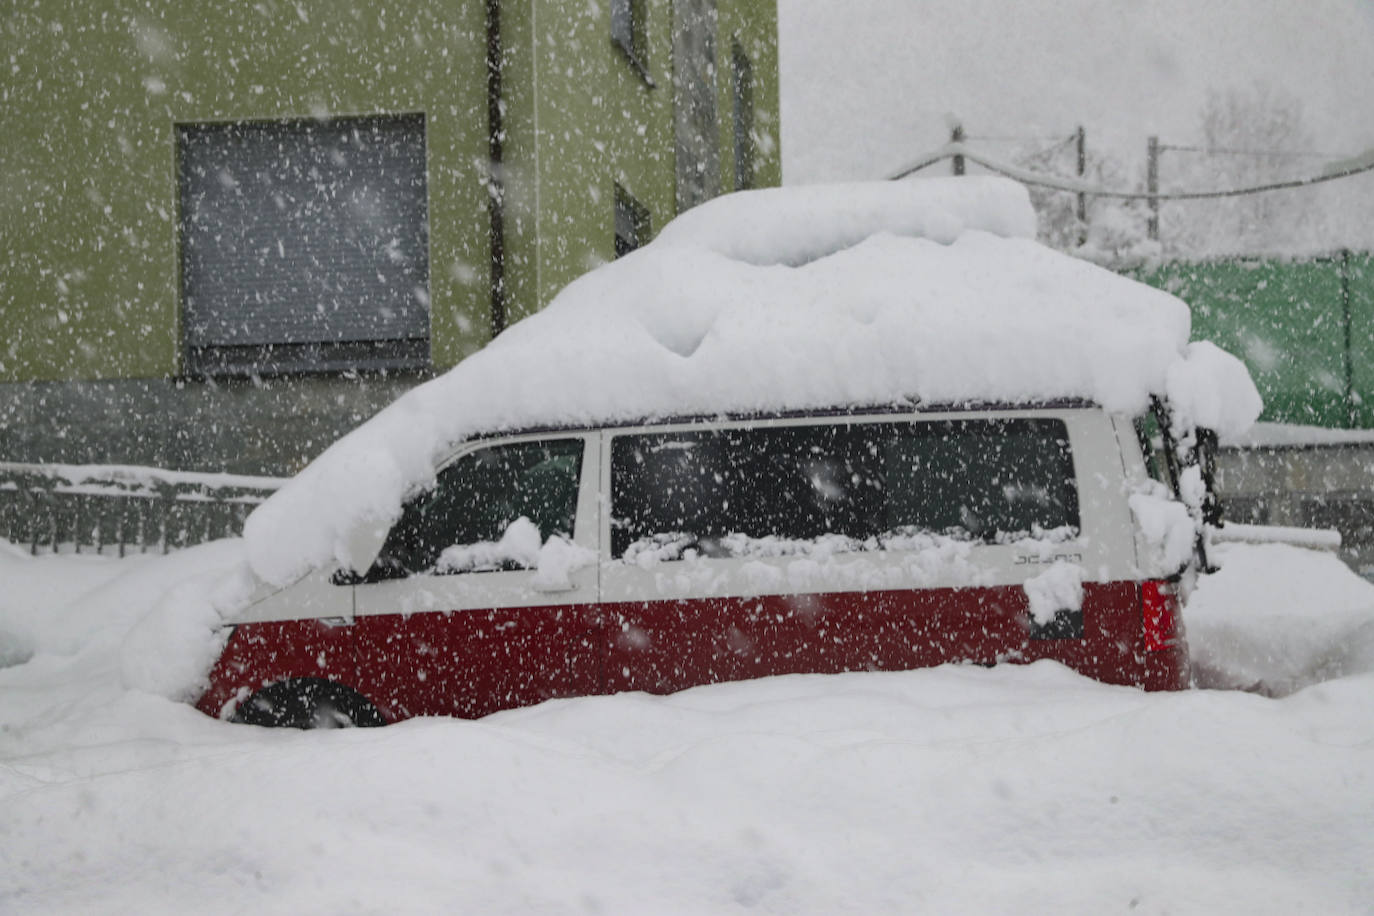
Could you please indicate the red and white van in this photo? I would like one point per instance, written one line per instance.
(654, 557)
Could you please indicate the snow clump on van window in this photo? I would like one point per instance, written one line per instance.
(792, 298)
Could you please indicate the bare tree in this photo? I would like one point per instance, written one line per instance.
(1249, 136)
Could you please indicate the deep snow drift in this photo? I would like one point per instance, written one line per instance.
(1018, 789)
(1257, 629)
(786, 298)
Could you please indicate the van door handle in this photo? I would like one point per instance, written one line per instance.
(553, 587)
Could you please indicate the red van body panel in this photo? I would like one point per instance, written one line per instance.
(660, 647)
(259, 654)
(473, 663)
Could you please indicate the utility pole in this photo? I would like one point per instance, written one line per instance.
(957, 136)
(1081, 141)
(1152, 187)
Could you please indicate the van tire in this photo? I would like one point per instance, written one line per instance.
(308, 703)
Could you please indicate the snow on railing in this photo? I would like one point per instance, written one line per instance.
(1311, 538)
(63, 508)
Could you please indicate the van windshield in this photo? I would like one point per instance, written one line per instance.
(849, 485)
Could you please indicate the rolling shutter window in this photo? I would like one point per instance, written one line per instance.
(304, 245)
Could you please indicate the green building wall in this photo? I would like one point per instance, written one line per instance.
(88, 186)
(91, 247)
(583, 120)
(91, 361)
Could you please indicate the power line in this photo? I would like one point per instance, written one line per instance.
(1220, 150)
(1339, 169)
(1010, 138)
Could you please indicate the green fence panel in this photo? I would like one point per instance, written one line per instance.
(1360, 286)
(1285, 319)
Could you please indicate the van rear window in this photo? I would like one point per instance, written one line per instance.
(849, 485)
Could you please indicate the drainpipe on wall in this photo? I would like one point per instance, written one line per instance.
(496, 189)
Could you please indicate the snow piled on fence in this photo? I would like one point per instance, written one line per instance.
(786, 298)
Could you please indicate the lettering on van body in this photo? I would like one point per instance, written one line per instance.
(1032, 559)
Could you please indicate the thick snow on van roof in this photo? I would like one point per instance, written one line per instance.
(790, 298)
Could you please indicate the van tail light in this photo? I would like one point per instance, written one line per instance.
(1159, 607)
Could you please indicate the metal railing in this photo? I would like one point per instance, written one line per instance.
(121, 509)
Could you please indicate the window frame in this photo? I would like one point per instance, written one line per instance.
(629, 33)
(633, 223)
(499, 590)
(584, 523)
(847, 435)
(287, 356)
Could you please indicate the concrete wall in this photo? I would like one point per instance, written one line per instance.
(1305, 486)
(271, 426)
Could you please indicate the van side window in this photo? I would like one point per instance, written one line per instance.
(989, 480)
(725, 492)
(475, 500)
(692, 489)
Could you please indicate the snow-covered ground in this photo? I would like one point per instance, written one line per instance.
(958, 789)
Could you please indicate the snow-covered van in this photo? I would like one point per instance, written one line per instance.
(914, 441)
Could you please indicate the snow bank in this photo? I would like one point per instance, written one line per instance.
(171, 649)
(34, 593)
(1021, 789)
(920, 291)
(153, 618)
(1278, 618)
(957, 789)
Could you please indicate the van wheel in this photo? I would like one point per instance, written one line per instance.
(308, 703)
